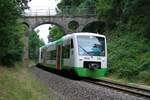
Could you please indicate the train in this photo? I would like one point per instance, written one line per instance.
(83, 53)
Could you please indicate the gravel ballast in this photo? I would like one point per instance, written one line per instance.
(68, 89)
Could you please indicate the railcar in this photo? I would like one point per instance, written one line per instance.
(84, 54)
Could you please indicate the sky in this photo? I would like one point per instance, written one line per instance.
(43, 4)
(43, 32)
(38, 4)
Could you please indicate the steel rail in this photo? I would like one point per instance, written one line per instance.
(138, 91)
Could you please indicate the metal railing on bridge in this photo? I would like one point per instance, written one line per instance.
(66, 11)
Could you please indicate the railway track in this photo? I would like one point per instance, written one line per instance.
(134, 90)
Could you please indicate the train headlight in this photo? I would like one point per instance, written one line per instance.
(80, 59)
(103, 59)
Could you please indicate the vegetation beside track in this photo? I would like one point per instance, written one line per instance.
(18, 83)
(129, 57)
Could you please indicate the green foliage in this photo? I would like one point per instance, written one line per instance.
(73, 7)
(95, 27)
(133, 13)
(128, 55)
(139, 23)
(144, 76)
(104, 8)
(136, 7)
(73, 3)
(55, 33)
(34, 44)
(11, 44)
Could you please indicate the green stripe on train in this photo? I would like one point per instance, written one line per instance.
(83, 72)
(89, 73)
(60, 41)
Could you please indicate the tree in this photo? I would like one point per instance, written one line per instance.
(55, 33)
(11, 45)
(34, 44)
(138, 15)
(73, 7)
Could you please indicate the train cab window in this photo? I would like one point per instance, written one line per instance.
(91, 45)
(71, 43)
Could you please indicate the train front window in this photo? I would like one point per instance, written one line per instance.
(91, 45)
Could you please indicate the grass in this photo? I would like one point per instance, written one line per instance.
(138, 83)
(17, 83)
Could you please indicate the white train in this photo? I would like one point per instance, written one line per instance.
(84, 54)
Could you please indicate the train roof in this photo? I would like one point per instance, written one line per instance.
(88, 33)
(68, 36)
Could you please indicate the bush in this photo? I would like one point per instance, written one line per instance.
(8, 60)
(145, 76)
(128, 69)
(11, 32)
(128, 55)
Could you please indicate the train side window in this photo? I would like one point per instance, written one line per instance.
(41, 54)
(53, 55)
(66, 51)
(71, 43)
(48, 55)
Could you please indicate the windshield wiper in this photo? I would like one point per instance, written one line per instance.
(85, 50)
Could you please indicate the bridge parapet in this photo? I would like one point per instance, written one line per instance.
(66, 11)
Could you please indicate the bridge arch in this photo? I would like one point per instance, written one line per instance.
(25, 23)
(52, 23)
(95, 26)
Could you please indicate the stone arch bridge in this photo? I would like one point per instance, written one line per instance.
(61, 21)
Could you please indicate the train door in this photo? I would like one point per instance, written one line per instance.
(58, 57)
(44, 56)
(71, 53)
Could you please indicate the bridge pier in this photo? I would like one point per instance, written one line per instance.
(26, 49)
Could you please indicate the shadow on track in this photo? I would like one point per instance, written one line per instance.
(63, 73)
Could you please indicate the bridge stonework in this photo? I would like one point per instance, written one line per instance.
(61, 21)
